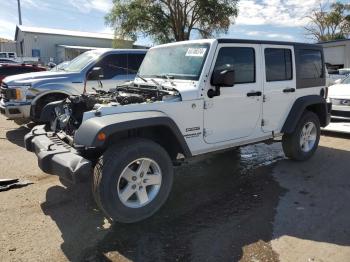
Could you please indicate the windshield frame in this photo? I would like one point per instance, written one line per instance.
(173, 76)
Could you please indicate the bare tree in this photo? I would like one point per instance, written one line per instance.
(329, 24)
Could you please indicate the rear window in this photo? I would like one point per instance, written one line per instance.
(278, 64)
(311, 66)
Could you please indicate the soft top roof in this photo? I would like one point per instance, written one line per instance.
(266, 42)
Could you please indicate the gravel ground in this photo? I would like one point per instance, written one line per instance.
(245, 205)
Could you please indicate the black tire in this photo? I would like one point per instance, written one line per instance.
(109, 168)
(291, 142)
(35, 110)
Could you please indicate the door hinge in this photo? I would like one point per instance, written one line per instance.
(264, 98)
(208, 104)
(207, 132)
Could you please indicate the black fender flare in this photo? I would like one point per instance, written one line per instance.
(87, 133)
(298, 108)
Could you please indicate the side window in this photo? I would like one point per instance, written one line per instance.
(113, 65)
(134, 62)
(241, 59)
(310, 64)
(278, 64)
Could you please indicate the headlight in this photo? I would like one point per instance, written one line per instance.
(17, 93)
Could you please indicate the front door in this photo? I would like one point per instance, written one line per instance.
(235, 113)
(279, 85)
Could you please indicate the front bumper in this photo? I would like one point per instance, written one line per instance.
(14, 110)
(341, 112)
(55, 156)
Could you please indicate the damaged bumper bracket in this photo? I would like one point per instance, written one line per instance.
(56, 157)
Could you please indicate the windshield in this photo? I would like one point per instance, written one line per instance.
(77, 64)
(179, 62)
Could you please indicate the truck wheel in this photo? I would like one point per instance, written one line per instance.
(132, 180)
(303, 142)
(35, 110)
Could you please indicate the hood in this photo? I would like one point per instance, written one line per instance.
(340, 90)
(40, 77)
(187, 88)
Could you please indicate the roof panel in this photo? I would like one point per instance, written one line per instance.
(53, 31)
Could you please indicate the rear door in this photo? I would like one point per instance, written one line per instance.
(279, 85)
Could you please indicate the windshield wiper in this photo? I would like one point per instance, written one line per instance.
(143, 79)
(159, 86)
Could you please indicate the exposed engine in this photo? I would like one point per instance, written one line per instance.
(67, 115)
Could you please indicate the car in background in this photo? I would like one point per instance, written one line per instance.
(7, 61)
(16, 69)
(24, 96)
(339, 95)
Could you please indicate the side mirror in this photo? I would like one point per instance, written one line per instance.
(223, 78)
(96, 73)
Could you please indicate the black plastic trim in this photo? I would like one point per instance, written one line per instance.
(111, 124)
(298, 109)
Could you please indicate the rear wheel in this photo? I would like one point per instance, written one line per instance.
(132, 180)
(303, 142)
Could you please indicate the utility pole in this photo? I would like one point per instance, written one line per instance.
(19, 12)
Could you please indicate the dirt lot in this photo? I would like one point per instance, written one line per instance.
(248, 205)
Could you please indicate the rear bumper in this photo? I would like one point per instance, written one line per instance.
(56, 157)
(15, 110)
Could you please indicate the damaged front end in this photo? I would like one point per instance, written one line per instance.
(67, 115)
(54, 144)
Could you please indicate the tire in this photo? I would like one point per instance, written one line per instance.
(292, 144)
(109, 181)
(35, 111)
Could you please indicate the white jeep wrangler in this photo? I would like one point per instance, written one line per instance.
(190, 98)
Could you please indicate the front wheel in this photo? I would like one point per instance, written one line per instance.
(303, 142)
(132, 180)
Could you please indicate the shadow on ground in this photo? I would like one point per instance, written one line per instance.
(16, 135)
(220, 209)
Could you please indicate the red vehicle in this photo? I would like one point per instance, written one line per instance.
(16, 69)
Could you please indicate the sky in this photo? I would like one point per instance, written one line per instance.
(281, 20)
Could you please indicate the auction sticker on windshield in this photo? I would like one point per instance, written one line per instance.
(196, 51)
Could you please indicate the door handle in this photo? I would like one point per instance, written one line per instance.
(289, 90)
(258, 93)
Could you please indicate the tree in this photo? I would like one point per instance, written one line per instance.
(333, 24)
(171, 20)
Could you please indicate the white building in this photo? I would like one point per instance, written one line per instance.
(58, 45)
(337, 53)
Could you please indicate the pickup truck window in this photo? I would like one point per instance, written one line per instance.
(180, 61)
(134, 62)
(112, 65)
(241, 59)
(278, 64)
(310, 64)
(77, 64)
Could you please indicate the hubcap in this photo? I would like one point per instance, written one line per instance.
(308, 137)
(139, 183)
